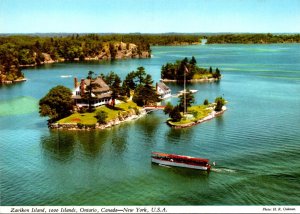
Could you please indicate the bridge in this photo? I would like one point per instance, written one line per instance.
(153, 108)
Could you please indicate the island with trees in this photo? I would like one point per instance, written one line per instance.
(250, 38)
(188, 70)
(123, 102)
(17, 51)
(184, 114)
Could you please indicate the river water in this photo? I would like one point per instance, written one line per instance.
(255, 144)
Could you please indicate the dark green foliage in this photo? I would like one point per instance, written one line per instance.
(176, 71)
(205, 102)
(90, 87)
(57, 103)
(217, 74)
(101, 116)
(175, 114)
(140, 74)
(114, 82)
(189, 97)
(252, 38)
(169, 107)
(129, 81)
(145, 95)
(220, 103)
(193, 61)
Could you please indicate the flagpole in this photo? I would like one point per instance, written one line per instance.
(184, 91)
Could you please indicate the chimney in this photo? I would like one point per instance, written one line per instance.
(82, 87)
(75, 82)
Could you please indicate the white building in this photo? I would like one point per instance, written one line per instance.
(163, 91)
(101, 94)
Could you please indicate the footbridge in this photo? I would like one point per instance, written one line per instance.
(153, 108)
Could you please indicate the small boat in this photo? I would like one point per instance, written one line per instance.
(180, 161)
(193, 91)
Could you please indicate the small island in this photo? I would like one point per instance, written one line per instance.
(185, 115)
(188, 70)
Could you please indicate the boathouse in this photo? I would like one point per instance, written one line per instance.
(162, 90)
(101, 94)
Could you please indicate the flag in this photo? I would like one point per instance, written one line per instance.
(186, 70)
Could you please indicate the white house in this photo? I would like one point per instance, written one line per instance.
(163, 91)
(101, 94)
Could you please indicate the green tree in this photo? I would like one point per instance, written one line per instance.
(193, 61)
(101, 116)
(217, 74)
(189, 97)
(116, 88)
(169, 107)
(175, 114)
(57, 103)
(129, 80)
(220, 102)
(205, 102)
(90, 87)
(140, 74)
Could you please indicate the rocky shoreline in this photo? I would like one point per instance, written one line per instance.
(13, 81)
(77, 126)
(212, 115)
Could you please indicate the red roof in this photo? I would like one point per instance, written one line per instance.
(174, 156)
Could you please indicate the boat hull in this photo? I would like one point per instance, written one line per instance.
(176, 164)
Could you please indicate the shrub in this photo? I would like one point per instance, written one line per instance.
(205, 102)
(175, 114)
(169, 107)
(80, 125)
(220, 102)
(101, 116)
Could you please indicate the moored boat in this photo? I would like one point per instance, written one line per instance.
(180, 161)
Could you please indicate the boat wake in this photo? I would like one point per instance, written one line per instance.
(66, 76)
(223, 170)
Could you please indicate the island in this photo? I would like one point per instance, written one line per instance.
(184, 114)
(99, 101)
(188, 70)
(21, 51)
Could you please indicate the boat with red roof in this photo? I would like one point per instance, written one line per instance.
(180, 161)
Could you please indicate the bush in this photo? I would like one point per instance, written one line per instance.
(220, 103)
(101, 116)
(169, 107)
(80, 125)
(205, 102)
(175, 114)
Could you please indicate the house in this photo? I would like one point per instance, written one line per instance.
(101, 94)
(163, 91)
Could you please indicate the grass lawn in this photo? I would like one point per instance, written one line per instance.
(199, 113)
(89, 118)
(202, 76)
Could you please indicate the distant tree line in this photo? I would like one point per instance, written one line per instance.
(177, 70)
(253, 38)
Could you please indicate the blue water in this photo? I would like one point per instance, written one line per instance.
(255, 144)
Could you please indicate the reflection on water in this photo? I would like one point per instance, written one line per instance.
(58, 145)
(174, 136)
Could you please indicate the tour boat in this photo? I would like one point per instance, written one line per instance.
(180, 161)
